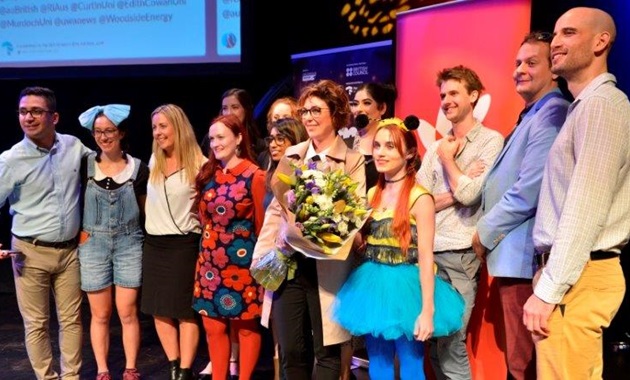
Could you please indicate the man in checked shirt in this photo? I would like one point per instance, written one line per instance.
(451, 172)
(583, 217)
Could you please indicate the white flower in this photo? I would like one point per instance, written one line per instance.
(320, 182)
(315, 174)
(323, 201)
(342, 227)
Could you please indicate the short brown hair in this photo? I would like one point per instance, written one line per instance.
(461, 74)
(43, 92)
(336, 99)
(539, 37)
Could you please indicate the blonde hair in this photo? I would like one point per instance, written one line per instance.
(186, 149)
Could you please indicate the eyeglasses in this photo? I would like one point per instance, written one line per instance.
(314, 111)
(543, 36)
(108, 133)
(276, 117)
(35, 112)
(279, 139)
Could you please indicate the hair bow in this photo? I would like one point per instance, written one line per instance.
(114, 112)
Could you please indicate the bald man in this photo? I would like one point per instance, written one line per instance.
(583, 217)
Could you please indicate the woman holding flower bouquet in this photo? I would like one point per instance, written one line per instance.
(303, 300)
(230, 192)
(396, 313)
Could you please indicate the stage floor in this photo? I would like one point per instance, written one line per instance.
(152, 364)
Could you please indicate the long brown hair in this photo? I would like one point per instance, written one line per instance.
(210, 167)
(246, 102)
(405, 143)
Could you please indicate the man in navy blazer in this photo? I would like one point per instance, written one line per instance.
(510, 196)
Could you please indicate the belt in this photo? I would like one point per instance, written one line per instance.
(541, 259)
(48, 244)
(463, 250)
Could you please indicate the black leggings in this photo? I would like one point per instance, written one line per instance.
(297, 316)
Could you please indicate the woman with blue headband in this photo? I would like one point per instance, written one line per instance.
(110, 246)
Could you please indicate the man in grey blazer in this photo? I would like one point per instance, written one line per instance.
(510, 197)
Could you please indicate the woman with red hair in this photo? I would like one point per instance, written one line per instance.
(230, 193)
(397, 313)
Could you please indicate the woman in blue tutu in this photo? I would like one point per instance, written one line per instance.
(382, 298)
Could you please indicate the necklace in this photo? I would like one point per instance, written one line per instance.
(395, 180)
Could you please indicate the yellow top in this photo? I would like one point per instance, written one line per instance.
(382, 245)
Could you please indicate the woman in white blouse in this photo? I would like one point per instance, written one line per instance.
(173, 235)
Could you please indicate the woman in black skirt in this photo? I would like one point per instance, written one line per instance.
(173, 234)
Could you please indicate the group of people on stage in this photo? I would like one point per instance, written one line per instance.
(546, 208)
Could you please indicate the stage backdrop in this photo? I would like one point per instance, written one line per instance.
(485, 36)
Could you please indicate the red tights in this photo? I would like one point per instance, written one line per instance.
(219, 343)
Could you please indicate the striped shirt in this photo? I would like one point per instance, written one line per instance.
(585, 193)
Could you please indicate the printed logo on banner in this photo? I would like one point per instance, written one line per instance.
(350, 66)
(7, 48)
(359, 70)
(309, 76)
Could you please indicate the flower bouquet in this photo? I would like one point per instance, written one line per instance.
(323, 214)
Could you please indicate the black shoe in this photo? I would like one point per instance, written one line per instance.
(173, 369)
(185, 374)
(204, 376)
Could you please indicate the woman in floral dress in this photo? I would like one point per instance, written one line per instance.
(230, 193)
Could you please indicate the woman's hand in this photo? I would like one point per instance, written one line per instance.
(423, 328)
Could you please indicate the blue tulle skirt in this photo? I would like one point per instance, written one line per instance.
(384, 300)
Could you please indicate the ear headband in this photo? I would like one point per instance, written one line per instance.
(410, 123)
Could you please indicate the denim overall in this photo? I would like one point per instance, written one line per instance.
(113, 250)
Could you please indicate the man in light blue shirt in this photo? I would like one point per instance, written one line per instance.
(40, 178)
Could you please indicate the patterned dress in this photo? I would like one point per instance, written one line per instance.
(229, 209)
